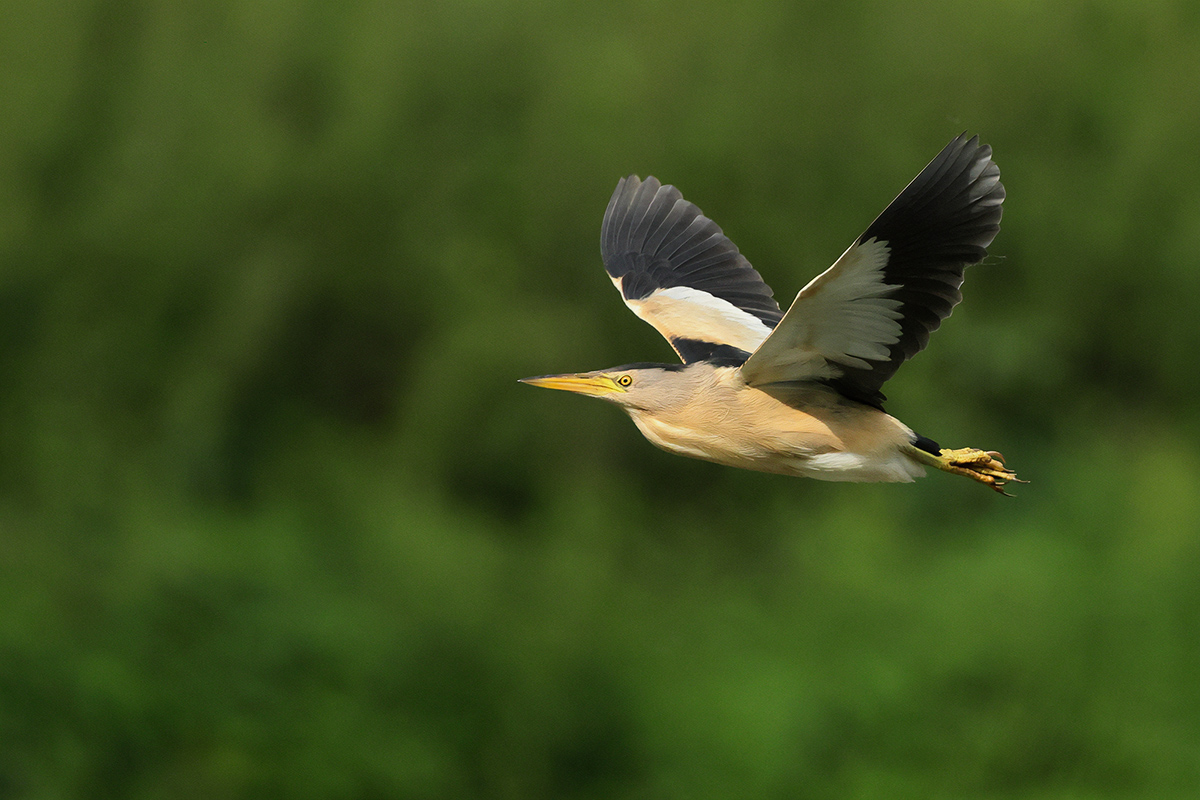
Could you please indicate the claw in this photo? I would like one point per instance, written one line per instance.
(985, 466)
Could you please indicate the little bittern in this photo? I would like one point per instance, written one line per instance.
(795, 393)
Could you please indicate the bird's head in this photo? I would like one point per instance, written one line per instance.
(632, 386)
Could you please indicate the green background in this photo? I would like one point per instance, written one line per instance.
(276, 519)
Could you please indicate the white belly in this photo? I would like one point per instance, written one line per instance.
(812, 453)
(893, 468)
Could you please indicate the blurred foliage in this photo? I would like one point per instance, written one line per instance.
(277, 521)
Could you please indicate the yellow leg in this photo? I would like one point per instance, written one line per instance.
(985, 466)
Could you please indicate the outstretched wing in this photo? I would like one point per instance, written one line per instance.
(676, 270)
(854, 324)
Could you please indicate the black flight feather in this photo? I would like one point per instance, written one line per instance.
(653, 239)
(940, 224)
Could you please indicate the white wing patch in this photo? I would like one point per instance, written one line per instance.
(843, 316)
(681, 312)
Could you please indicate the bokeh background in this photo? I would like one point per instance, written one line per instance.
(276, 519)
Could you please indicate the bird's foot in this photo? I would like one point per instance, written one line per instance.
(985, 466)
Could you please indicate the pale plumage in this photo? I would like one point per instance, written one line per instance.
(795, 393)
(720, 419)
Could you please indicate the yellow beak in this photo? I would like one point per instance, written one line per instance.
(592, 385)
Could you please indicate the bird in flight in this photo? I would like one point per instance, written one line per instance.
(795, 393)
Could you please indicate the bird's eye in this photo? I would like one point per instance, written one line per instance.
(624, 380)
